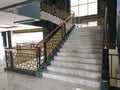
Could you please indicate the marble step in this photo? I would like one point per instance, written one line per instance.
(88, 31)
(82, 50)
(77, 72)
(92, 28)
(73, 79)
(83, 40)
(78, 60)
(84, 43)
(81, 45)
(80, 33)
(77, 65)
(85, 37)
(80, 55)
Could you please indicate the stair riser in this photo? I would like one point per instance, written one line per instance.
(81, 51)
(77, 60)
(88, 31)
(97, 56)
(79, 40)
(84, 43)
(76, 65)
(76, 72)
(74, 80)
(82, 46)
(78, 47)
(86, 38)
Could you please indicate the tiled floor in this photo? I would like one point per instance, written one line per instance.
(15, 81)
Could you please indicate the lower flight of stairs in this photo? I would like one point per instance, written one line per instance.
(80, 59)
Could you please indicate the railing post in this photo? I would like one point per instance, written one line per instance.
(64, 29)
(11, 58)
(6, 58)
(45, 52)
(10, 46)
(105, 65)
(38, 55)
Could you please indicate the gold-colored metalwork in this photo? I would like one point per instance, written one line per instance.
(53, 42)
(25, 56)
(68, 25)
(8, 59)
(28, 30)
(54, 10)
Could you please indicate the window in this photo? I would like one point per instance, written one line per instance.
(26, 37)
(84, 7)
(92, 23)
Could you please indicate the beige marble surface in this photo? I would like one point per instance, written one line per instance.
(15, 81)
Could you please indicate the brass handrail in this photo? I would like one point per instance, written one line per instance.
(54, 30)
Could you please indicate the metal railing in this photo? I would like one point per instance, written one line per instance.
(108, 59)
(35, 56)
(23, 56)
(48, 47)
(54, 10)
(114, 63)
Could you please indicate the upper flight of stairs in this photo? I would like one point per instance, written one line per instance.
(80, 59)
(50, 17)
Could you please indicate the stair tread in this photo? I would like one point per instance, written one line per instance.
(78, 65)
(83, 55)
(81, 51)
(72, 60)
(72, 76)
(90, 64)
(76, 69)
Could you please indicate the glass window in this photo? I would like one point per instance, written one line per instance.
(92, 23)
(84, 7)
(92, 8)
(82, 1)
(26, 37)
(83, 10)
(74, 2)
(75, 9)
(89, 1)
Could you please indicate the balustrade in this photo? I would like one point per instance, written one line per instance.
(35, 56)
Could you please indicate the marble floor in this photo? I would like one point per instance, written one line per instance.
(15, 81)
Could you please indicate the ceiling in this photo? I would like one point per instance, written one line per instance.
(5, 3)
(7, 19)
(10, 18)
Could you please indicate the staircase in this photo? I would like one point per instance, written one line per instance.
(80, 59)
(50, 17)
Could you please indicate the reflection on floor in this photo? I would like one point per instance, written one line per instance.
(15, 81)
